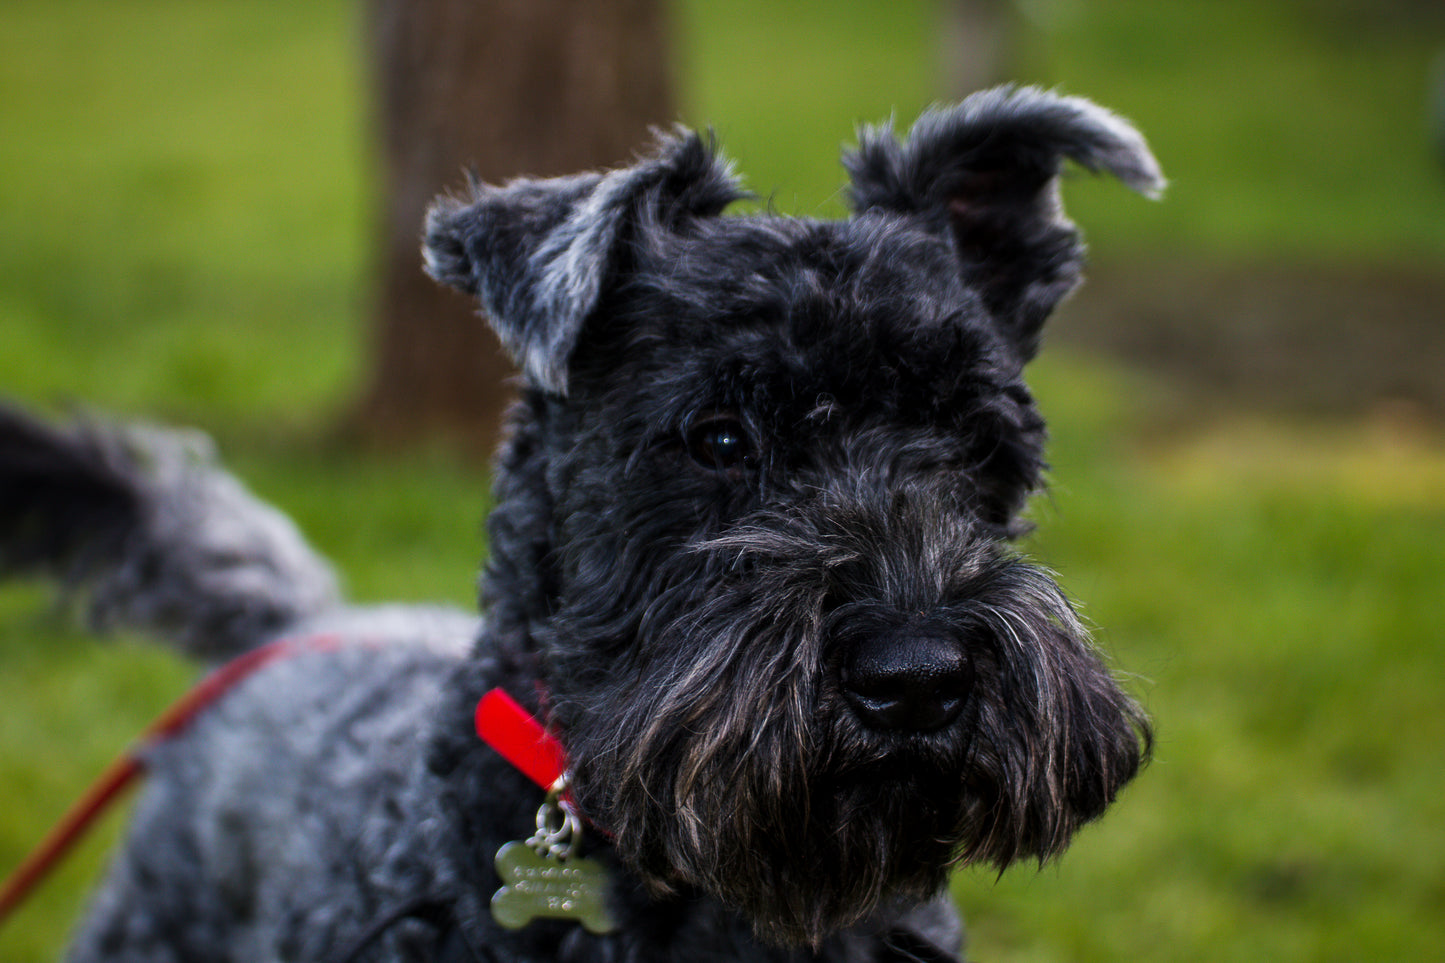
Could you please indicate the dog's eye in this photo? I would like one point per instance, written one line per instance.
(720, 443)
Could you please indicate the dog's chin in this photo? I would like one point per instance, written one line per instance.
(792, 905)
(800, 872)
(804, 911)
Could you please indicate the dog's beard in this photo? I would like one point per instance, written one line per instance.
(712, 741)
(723, 760)
(741, 794)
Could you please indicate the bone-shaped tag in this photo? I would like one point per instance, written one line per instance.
(535, 886)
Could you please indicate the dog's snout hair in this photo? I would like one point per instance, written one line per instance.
(732, 762)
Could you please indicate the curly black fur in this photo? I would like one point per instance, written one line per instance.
(752, 563)
(688, 618)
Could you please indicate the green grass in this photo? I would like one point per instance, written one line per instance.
(1284, 132)
(183, 204)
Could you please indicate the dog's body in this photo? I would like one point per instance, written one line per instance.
(749, 563)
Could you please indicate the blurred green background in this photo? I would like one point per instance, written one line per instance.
(186, 198)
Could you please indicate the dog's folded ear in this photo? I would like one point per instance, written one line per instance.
(986, 171)
(539, 254)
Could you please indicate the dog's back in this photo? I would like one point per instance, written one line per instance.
(268, 828)
(302, 776)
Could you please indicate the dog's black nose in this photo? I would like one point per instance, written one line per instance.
(907, 678)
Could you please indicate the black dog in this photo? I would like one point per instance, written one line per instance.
(750, 565)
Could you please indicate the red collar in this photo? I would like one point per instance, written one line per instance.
(520, 739)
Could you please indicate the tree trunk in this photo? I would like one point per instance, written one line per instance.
(504, 88)
(978, 44)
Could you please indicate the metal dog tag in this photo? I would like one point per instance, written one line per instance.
(536, 885)
(542, 877)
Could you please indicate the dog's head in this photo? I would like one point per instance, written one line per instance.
(753, 519)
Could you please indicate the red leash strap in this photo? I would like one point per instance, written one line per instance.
(66, 833)
(125, 769)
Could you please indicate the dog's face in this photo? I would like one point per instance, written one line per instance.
(765, 477)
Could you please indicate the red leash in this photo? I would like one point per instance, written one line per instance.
(129, 766)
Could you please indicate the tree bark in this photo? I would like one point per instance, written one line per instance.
(978, 44)
(503, 88)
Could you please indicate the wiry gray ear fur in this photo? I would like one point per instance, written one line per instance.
(987, 171)
(539, 254)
